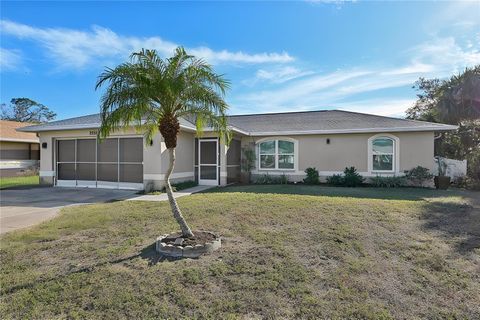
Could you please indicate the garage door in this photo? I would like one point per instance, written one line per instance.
(112, 163)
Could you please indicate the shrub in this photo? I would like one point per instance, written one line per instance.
(335, 180)
(418, 175)
(283, 179)
(312, 176)
(184, 185)
(473, 170)
(387, 182)
(352, 178)
(263, 179)
(267, 179)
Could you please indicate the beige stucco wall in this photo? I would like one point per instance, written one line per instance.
(345, 150)
(415, 148)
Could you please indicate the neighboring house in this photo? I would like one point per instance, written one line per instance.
(19, 151)
(285, 143)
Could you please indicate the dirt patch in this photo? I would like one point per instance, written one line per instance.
(200, 237)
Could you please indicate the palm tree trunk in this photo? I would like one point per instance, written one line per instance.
(177, 214)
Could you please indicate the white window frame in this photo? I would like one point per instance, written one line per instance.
(276, 154)
(395, 156)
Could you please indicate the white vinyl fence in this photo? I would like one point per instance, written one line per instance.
(455, 168)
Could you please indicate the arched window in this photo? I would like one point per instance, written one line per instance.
(383, 154)
(276, 154)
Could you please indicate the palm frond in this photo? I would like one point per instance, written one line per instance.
(142, 92)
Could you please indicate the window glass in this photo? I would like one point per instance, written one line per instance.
(267, 161)
(267, 147)
(383, 162)
(285, 161)
(285, 147)
(383, 145)
(276, 154)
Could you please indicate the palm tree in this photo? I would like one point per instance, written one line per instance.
(151, 94)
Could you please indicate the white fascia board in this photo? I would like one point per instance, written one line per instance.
(362, 130)
(20, 140)
(265, 133)
(209, 129)
(62, 127)
(81, 126)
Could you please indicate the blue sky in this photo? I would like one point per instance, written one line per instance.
(279, 56)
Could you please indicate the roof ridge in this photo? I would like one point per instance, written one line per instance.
(389, 117)
(275, 113)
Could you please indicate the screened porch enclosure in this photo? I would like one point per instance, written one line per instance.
(112, 163)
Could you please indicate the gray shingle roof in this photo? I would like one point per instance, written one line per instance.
(327, 121)
(324, 121)
(91, 121)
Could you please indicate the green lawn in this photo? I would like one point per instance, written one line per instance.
(9, 182)
(288, 252)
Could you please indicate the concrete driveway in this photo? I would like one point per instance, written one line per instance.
(24, 207)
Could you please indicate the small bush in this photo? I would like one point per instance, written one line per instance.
(387, 182)
(312, 176)
(335, 180)
(263, 179)
(350, 178)
(267, 179)
(418, 175)
(184, 185)
(283, 179)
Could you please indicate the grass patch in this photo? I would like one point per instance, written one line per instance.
(10, 182)
(288, 252)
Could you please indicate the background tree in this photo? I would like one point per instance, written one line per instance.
(26, 110)
(449, 101)
(455, 101)
(152, 94)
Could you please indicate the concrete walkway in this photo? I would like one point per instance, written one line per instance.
(163, 196)
(25, 207)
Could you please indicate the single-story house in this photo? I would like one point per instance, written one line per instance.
(284, 143)
(19, 151)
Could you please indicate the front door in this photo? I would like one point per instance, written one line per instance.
(208, 162)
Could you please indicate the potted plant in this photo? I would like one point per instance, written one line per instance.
(442, 181)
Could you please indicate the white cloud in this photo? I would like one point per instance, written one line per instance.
(276, 75)
(439, 57)
(282, 74)
(10, 59)
(390, 107)
(77, 49)
(446, 54)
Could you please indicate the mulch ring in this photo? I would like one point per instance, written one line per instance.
(200, 237)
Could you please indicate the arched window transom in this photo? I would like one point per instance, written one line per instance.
(276, 154)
